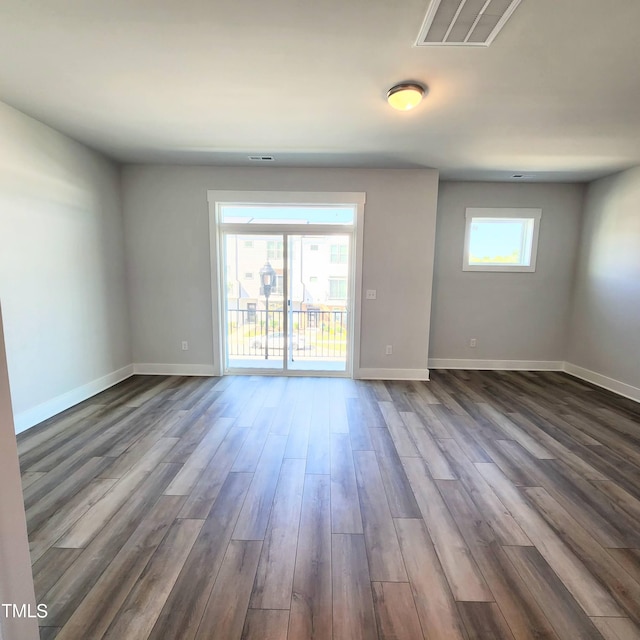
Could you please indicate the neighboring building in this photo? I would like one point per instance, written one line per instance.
(319, 268)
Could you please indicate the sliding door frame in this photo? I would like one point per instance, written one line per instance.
(217, 231)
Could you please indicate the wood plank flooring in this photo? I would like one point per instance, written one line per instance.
(479, 505)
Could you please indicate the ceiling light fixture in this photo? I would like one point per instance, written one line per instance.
(405, 96)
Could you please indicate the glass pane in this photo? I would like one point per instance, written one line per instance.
(254, 278)
(286, 214)
(500, 241)
(319, 292)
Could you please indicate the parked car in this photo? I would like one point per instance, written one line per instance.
(276, 341)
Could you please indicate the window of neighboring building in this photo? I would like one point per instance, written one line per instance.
(251, 311)
(339, 253)
(338, 288)
(279, 288)
(248, 275)
(501, 239)
(275, 250)
(248, 244)
(314, 247)
(313, 279)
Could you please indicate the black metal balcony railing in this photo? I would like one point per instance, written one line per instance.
(311, 334)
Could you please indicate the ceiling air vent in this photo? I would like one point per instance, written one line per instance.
(473, 23)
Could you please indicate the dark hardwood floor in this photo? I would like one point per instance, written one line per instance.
(477, 505)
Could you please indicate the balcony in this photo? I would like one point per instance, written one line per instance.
(317, 339)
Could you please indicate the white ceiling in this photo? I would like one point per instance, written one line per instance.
(556, 96)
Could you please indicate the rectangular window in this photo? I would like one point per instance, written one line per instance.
(279, 288)
(248, 275)
(287, 214)
(339, 253)
(275, 250)
(248, 244)
(338, 288)
(501, 239)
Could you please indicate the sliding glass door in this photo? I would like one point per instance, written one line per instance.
(287, 280)
(254, 276)
(318, 302)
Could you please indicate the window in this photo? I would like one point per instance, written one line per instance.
(248, 275)
(288, 213)
(248, 244)
(275, 250)
(338, 288)
(313, 279)
(501, 239)
(251, 311)
(339, 254)
(314, 247)
(279, 288)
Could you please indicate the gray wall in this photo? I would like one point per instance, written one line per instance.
(62, 273)
(605, 332)
(513, 316)
(16, 582)
(167, 240)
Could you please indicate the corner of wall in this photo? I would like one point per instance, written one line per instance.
(568, 342)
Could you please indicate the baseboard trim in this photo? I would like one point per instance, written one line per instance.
(499, 365)
(154, 369)
(610, 384)
(31, 417)
(392, 374)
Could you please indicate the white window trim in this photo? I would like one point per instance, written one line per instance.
(471, 213)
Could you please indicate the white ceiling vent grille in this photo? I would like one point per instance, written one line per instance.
(473, 23)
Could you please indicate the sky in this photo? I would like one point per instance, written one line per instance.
(496, 238)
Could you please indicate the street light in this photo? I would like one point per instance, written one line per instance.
(267, 282)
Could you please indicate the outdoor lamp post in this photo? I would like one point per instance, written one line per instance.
(267, 282)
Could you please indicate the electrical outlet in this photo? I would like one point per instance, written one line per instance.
(473, 343)
(185, 345)
(372, 294)
(389, 350)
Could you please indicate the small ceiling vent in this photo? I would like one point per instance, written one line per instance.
(473, 23)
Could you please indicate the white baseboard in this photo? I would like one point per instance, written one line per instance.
(392, 374)
(500, 365)
(175, 369)
(30, 417)
(621, 388)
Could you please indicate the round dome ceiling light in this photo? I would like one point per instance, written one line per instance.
(405, 96)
